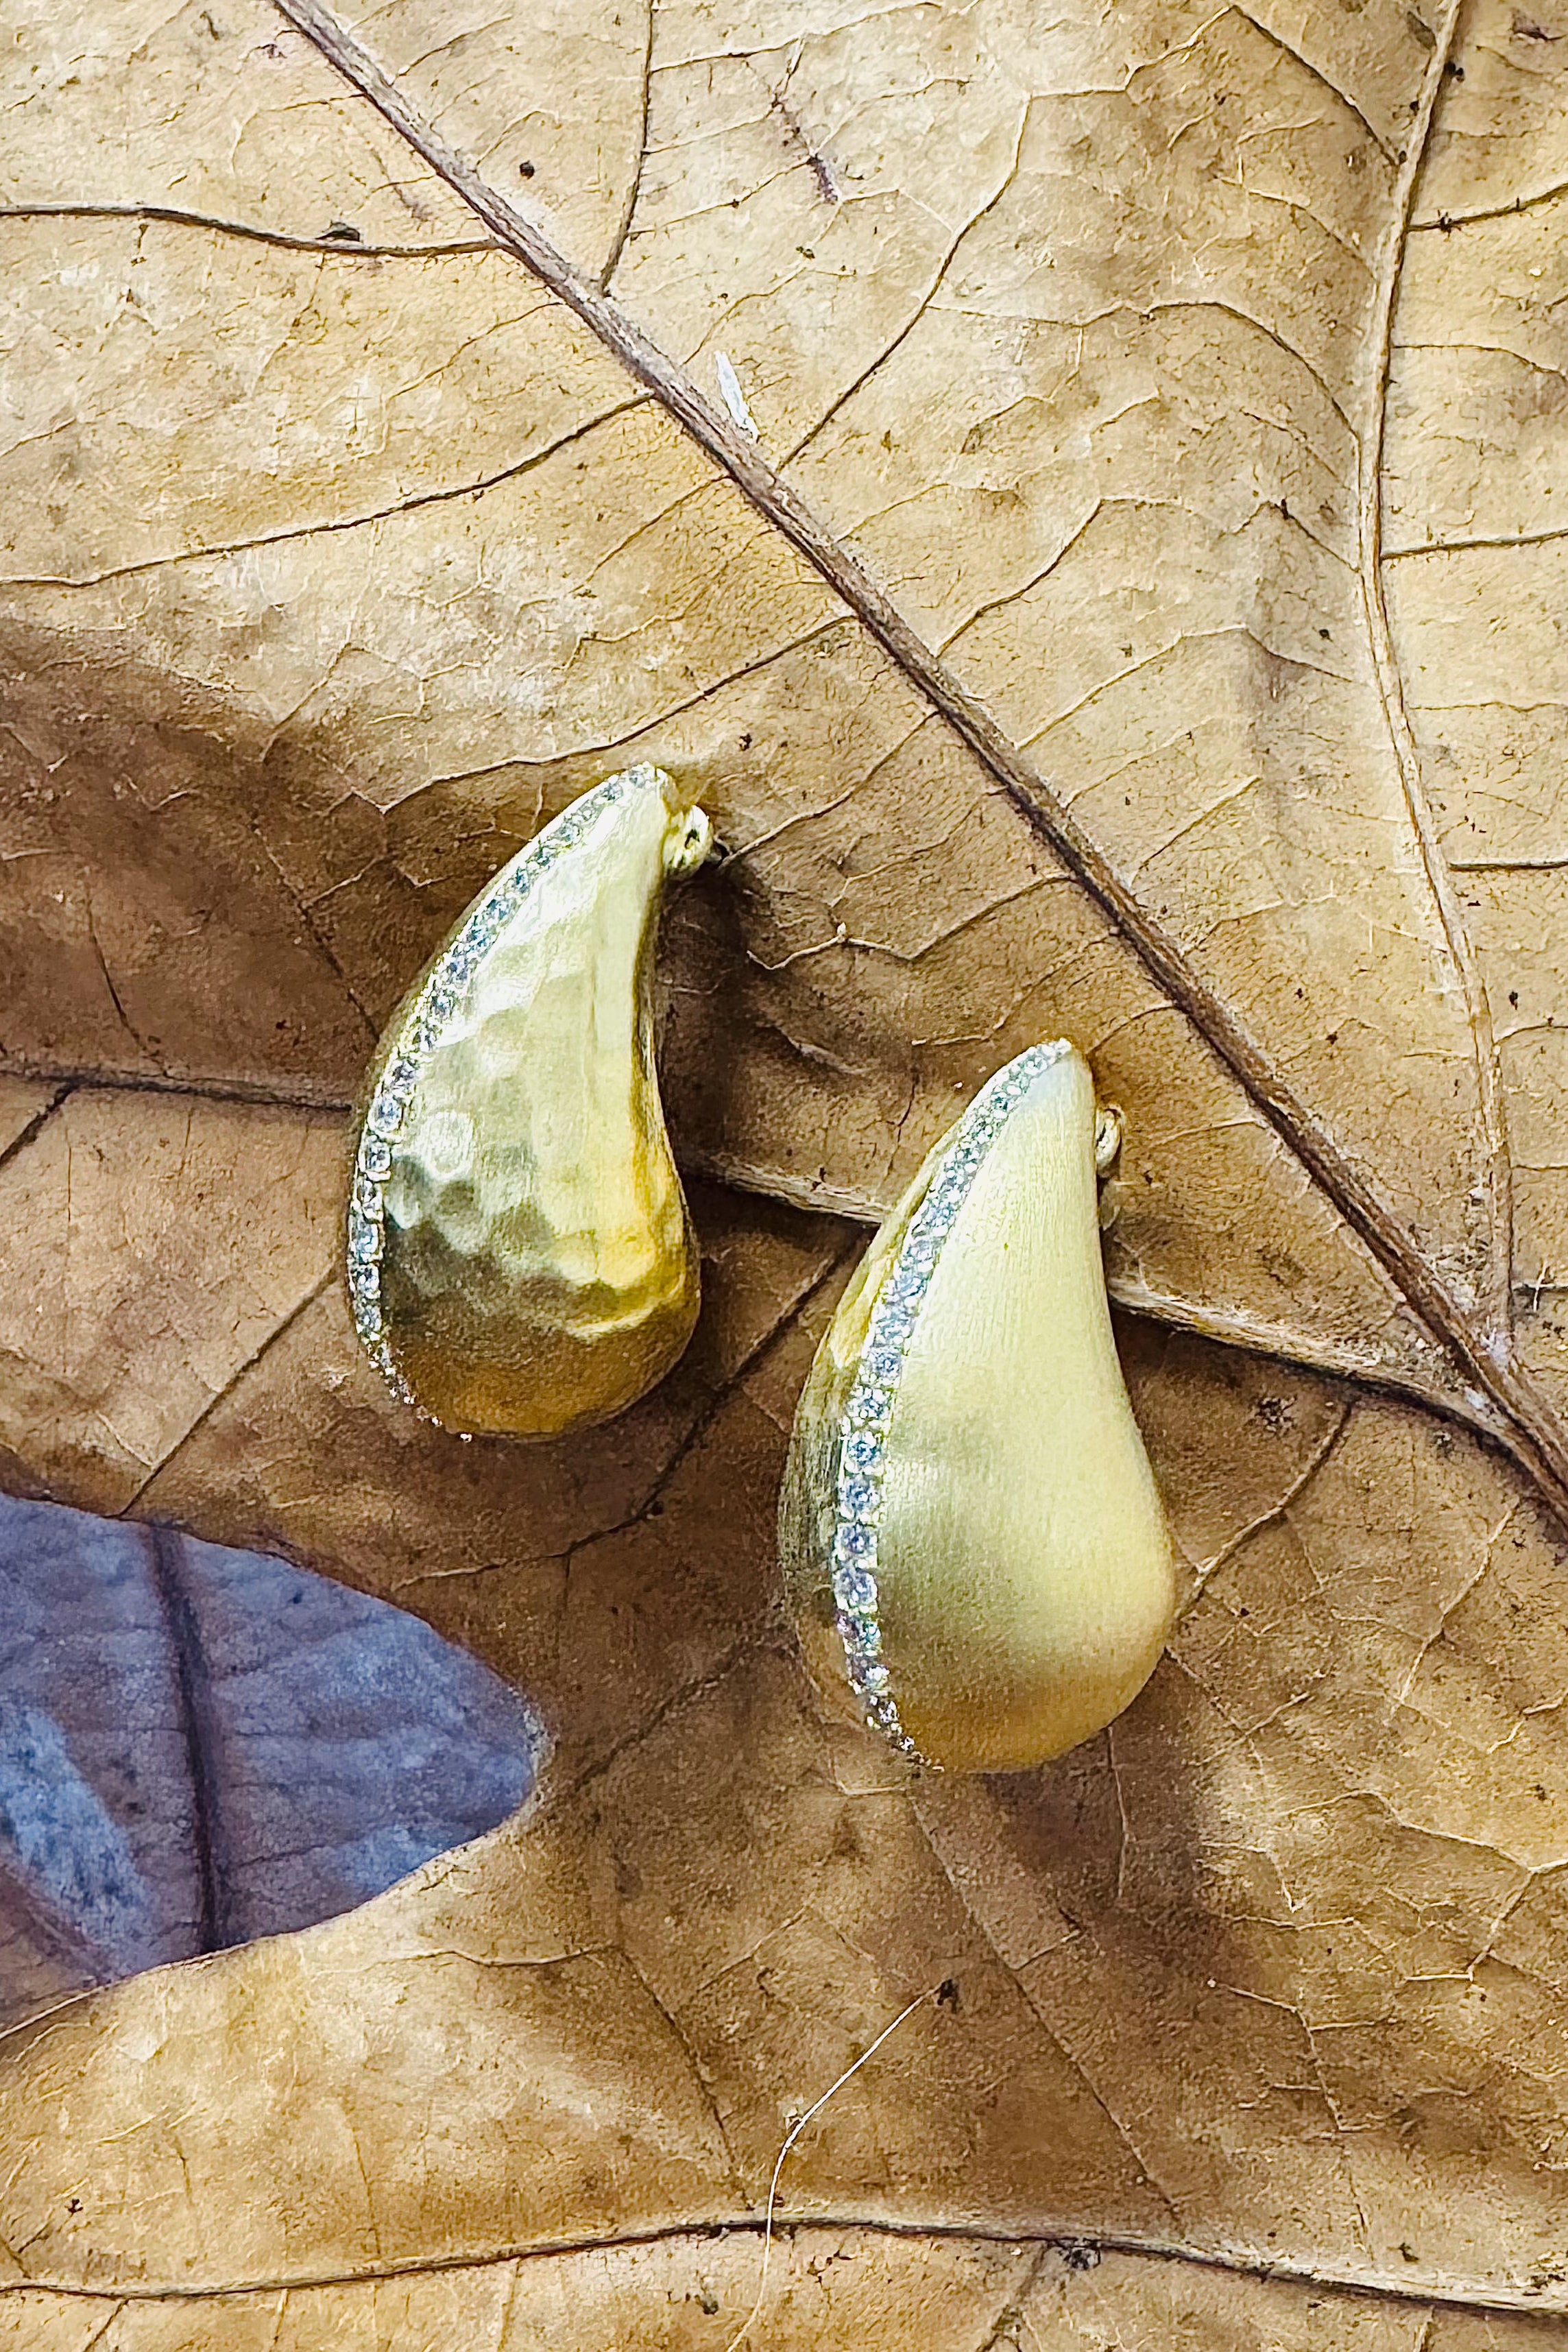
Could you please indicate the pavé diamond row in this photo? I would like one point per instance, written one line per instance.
(868, 1413)
(424, 1027)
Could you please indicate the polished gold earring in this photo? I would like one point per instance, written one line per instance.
(520, 1256)
(972, 1539)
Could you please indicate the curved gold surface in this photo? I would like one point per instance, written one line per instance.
(537, 1265)
(1023, 1570)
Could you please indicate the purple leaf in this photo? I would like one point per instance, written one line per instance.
(199, 1745)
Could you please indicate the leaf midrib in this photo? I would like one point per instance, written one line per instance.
(1455, 2295)
(1528, 1427)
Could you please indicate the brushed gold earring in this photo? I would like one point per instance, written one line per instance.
(520, 1258)
(972, 1539)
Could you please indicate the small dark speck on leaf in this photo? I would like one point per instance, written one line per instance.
(1324, 634)
(1275, 1413)
(947, 1994)
(1409, 2251)
(526, 170)
(1454, 69)
(708, 2301)
(1080, 2257)
(746, 742)
(73, 2204)
(1442, 1441)
(1513, 998)
(341, 232)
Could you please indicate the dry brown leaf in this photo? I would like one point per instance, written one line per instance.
(369, 554)
(1191, 384)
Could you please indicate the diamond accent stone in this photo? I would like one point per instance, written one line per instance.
(862, 1449)
(364, 1237)
(870, 1408)
(873, 1396)
(860, 1631)
(855, 1589)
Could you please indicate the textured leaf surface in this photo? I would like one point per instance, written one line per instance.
(200, 1745)
(1190, 383)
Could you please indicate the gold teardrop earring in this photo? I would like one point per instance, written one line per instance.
(520, 1257)
(973, 1543)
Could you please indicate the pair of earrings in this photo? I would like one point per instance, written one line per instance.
(973, 1544)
